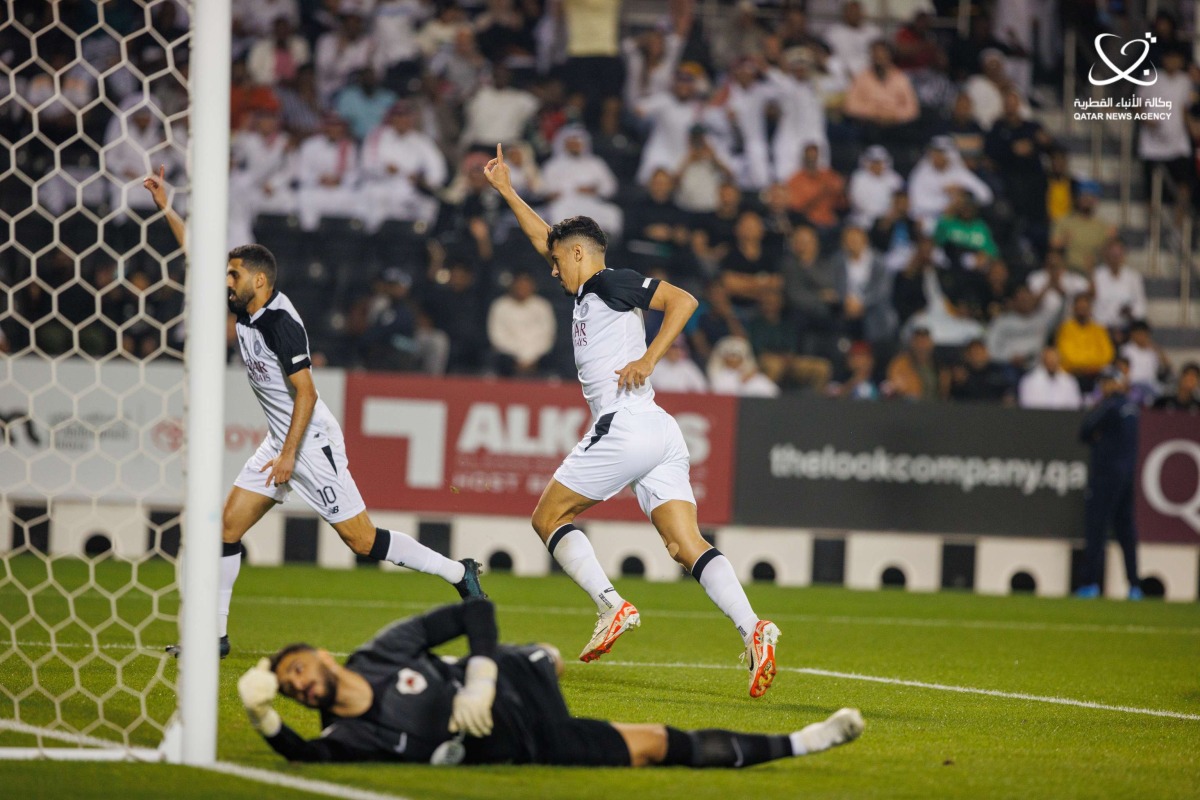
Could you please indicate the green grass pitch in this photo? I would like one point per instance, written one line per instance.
(920, 742)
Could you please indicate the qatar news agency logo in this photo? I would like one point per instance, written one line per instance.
(1141, 72)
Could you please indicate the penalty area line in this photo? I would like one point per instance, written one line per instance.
(310, 785)
(940, 687)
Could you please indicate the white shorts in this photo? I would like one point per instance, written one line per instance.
(321, 477)
(640, 446)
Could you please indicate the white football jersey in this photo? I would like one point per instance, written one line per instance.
(607, 333)
(274, 345)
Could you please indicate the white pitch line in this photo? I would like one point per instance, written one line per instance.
(941, 687)
(70, 737)
(295, 782)
(913, 622)
(852, 676)
(919, 622)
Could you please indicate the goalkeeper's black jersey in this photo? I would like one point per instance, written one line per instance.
(414, 690)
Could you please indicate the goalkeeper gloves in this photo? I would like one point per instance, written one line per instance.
(472, 711)
(258, 688)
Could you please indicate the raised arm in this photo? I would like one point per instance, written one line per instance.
(534, 227)
(157, 186)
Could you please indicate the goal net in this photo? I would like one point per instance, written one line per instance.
(93, 97)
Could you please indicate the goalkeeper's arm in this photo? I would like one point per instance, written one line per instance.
(157, 186)
(257, 690)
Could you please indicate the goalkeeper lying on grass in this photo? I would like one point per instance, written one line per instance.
(395, 700)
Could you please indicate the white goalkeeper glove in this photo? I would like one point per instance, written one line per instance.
(258, 688)
(472, 712)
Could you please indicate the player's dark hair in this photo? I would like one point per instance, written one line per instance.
(577, 227)
(295, 647)
(256, 258)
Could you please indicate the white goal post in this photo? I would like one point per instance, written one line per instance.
(112, 368)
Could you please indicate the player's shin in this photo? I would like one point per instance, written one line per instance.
(405, 551)
(720, 748)
(713, 571)
(231, 565)
(574, 553)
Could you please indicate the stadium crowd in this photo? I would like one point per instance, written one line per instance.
(862, 214)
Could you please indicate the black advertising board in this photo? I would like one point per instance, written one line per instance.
(936, 468)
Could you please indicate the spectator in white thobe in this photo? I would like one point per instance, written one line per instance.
(677, 372)
(520, 327)
(341, 53)
(850, 40)
(581, 182)
(749, 96)
(498, 112)
(260, 180)
(672, 116)
(402, 170)
(935, 177)
(135, 146)
(801, 113)
(1120, 291)
(1064, 284)
(1048, 385)
(327, 169)
(276, 58)
(872, 186)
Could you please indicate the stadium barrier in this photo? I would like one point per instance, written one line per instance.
(794, 490)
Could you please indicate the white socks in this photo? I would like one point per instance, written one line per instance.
(714, 572)
(405, 551)
(231, 565)
(574, 553)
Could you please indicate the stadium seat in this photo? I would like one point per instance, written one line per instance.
(616, 541)
(281, 235)
(1173, 565)
(396, 244)
(72, 524)
(1048, 562)
(789, 552)
(480, 537)
(919, 557)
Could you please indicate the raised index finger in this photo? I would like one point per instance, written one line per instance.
(499, 154)
(162, 172)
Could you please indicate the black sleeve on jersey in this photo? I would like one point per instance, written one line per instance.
(476, 618)
(286, 339)
(625, 290)
(293, 747)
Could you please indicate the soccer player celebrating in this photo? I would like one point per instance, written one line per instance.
(632, 441)
(395, 700)
(304, 450)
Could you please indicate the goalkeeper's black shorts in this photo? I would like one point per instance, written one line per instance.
(532, 723)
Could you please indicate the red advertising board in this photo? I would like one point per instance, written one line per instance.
(1168, 488)
(471, 446)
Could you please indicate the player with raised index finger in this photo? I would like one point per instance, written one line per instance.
(632, 442)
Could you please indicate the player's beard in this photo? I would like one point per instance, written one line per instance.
(326, 701)
(237, 303)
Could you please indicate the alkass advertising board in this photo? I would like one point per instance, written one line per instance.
(1168, 497)
(462, 445)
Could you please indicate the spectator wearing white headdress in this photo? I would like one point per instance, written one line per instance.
(733, 370)
(872, 186)
(934, 179)
(581, 182)
(801, 112)
(135, 145)
(403, 168)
